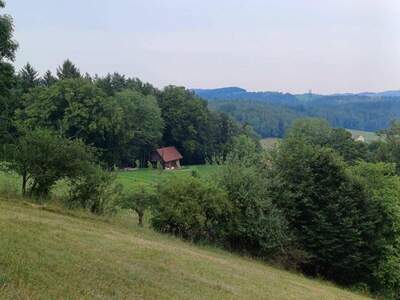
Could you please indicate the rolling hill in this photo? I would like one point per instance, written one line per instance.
(270, 113)
(50, 253)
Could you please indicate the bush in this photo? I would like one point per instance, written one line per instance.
(94, 190)
(192, 209)
(254, 224)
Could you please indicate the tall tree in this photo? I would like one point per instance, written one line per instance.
(68, 71)
(8, 46)
(141, 126)
(391, 146)
(28, 78)
(187, 122)
(48, 79)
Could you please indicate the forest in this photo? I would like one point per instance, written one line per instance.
(123, 118)
(270, 114)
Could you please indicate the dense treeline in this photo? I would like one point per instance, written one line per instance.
(123, 118)
(270, 117)
(268, 120)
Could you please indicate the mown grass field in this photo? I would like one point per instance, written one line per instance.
(151, 176)
(50, 253)
(10, 183)
(268, 143)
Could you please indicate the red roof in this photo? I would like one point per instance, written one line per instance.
(169, 154)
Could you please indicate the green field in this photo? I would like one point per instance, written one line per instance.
(151, 176)
(10, 183)
(368, 135)
(50, 253)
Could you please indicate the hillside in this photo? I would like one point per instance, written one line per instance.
(51, 254)
(271, 113)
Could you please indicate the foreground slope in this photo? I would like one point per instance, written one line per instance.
(51, 254)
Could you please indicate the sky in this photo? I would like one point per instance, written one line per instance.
(327, 46)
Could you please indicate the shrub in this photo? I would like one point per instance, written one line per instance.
(254, 223)
(192, 209)
(94, 190)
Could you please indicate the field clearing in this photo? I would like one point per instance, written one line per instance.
(50, 253)
(10, 183)
(368, 135)
(269, 143)
(152, 176)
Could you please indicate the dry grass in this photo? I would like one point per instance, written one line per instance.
(269, 143)
(48, 253)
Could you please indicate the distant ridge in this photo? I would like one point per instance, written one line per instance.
(238, 93)
(271, 113)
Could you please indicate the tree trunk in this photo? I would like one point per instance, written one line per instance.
(140, 215)
(24, 180)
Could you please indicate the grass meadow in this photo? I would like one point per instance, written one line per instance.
(50, 253)
(10, 183)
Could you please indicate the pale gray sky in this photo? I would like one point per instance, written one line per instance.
(280, 45)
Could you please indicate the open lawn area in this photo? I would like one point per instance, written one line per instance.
(268, 143)
(10, 182)
(150, 176)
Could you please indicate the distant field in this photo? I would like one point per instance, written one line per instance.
(368, 135)
(11, 182)
(269, 143)
(149, 176)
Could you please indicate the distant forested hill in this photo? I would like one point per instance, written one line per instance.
(270, 113)
(236, 93)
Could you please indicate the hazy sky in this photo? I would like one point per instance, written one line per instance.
(282, 45)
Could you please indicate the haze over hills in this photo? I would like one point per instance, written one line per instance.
(238, 93)
(270, 113)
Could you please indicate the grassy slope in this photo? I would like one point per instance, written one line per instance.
(55, 254)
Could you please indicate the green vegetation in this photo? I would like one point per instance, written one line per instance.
(152, 176)
(337, 209)
(128, 179)
(48, 253)
(271, 114)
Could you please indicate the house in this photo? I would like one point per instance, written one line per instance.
(168, 156)
(360, 138)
